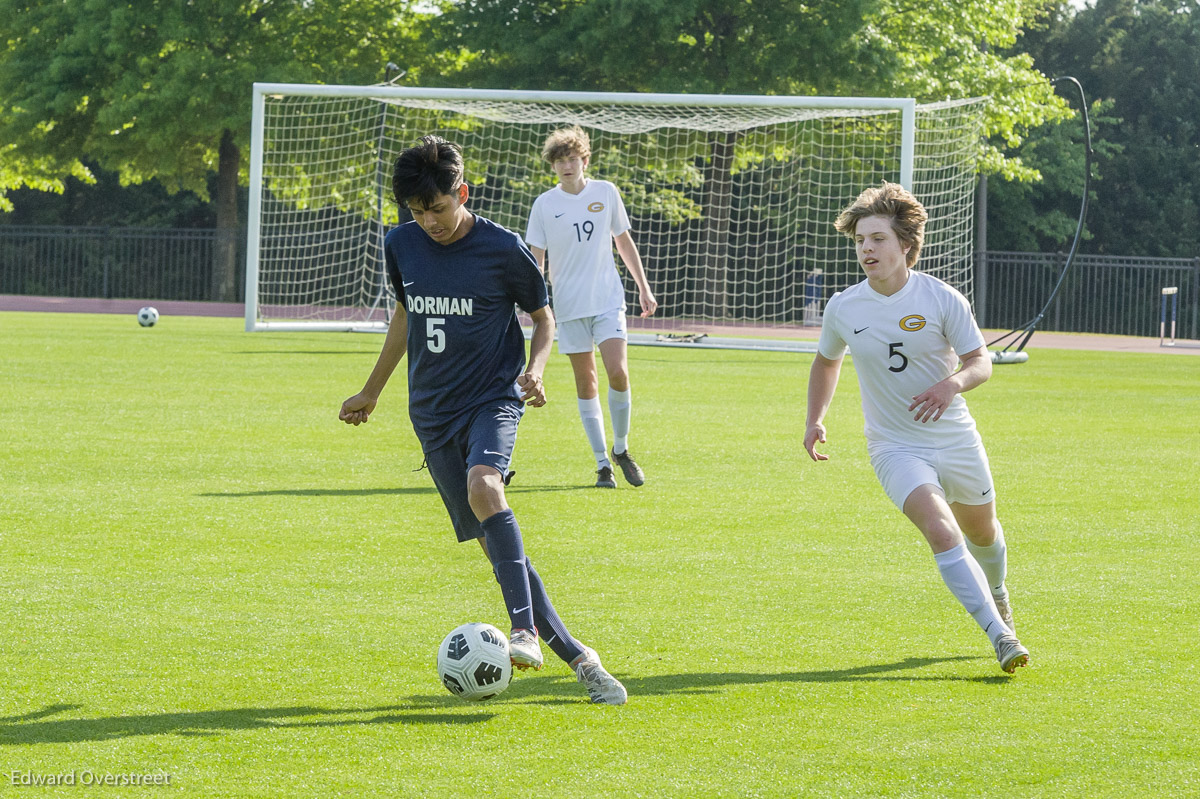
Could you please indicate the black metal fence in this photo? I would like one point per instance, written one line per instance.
(113, 263)
(1101, 294)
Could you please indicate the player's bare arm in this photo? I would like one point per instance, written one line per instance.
(539, 255)
(822, 383)
(357, 409)
(633, 262)
(933, 402)
(532, 391)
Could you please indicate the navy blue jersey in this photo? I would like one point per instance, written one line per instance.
(465, 345)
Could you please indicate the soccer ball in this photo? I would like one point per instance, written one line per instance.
(147, 316)
(473, 662)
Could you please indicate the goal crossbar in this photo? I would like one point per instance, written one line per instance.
(584, 98)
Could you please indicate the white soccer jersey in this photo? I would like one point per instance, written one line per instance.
(576, 231)
(902, 345)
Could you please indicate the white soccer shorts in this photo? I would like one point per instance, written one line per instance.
(960, 470)
(581, 335)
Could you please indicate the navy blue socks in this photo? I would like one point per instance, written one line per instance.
(503, 539)
(549, 625)
(529, 606)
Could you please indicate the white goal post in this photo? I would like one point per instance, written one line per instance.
(732, 197)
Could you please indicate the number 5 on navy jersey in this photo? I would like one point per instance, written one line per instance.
(435, 337)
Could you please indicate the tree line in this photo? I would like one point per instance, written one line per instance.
(140, 113)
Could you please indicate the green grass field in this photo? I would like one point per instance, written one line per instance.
(205, 575)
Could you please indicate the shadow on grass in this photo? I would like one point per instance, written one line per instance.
(51, 710)
(323, 492)
(35, 728)
(564, 690)
(700, 683)
(368, 492)
(530, 489)
(306, 352)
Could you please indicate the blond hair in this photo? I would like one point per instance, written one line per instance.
(908, 216)
(566, 142)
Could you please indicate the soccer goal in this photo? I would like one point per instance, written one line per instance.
(732, 198)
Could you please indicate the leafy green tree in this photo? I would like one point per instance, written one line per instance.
(162, 90)
(931, 50)
(697, 46)
(1140, 58)
(101, 201)
(1041, 215)
(928, 49)
(40, 173)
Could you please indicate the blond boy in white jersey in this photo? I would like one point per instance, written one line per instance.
(907, 332)
(576, 224)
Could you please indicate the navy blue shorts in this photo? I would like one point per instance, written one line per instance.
(487, 439)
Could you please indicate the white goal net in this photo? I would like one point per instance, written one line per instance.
(732, 198)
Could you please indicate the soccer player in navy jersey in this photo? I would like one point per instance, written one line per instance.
(458, 278)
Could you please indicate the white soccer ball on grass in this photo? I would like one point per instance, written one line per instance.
(473, 662)
(147, 316)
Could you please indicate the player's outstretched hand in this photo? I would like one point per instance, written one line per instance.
(815, 433)
(532, 390)
(932, 402)
(649, 304)
(357, 409)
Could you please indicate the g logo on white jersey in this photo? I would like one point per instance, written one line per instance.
(912, 322)
(596, 207)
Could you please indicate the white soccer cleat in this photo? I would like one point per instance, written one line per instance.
(524, 650)
(1004, 608)
(1010, 653)
(602, 687)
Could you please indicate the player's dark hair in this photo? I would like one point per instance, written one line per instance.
(425, 170)
(896, 202)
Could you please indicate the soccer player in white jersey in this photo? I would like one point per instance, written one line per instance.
(575, 224)
(907, 332)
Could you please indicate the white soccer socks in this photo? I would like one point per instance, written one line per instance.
(993, 560)
(592, 416)
(620, 407)
(965, 579)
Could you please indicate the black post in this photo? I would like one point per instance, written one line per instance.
(981, 244)
(1195, 299)
(1062, 259)
(107, 260)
